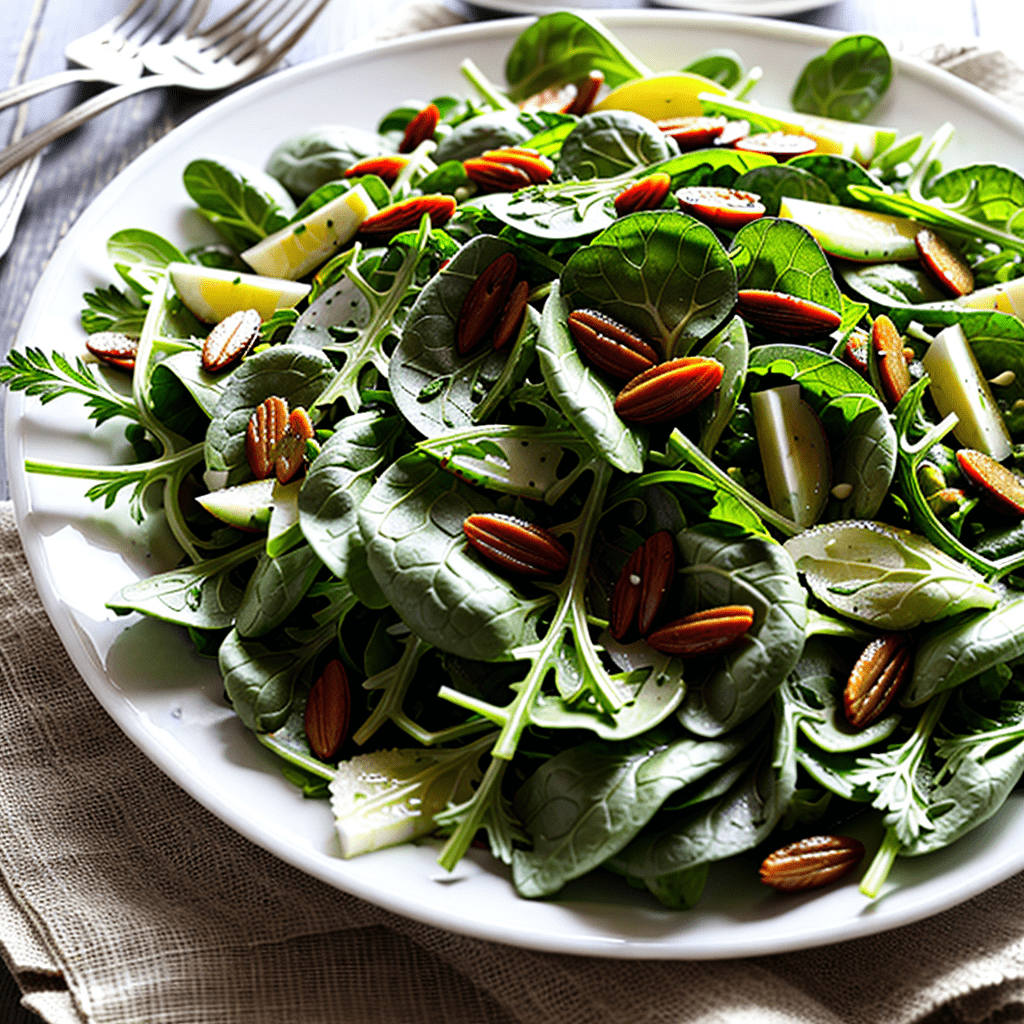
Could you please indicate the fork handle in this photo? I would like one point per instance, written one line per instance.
(19, 93)
(74, 118)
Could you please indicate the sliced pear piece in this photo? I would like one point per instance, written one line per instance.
(662, 96)
(284, 531)
(213, 294)
(794, 453)
(851, 234)
(246, 506)
(298, 248)
(1007, 298)
(860, 142)
(959, 386)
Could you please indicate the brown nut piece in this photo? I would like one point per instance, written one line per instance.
(856, 351)
(811, 863)
(646, 194)
(786, 314)
(420, 128)
(720, 207)
(892, 366)
(290, 453)
(609, 345)
(642, 585)
(516, 545)
(327, 712)
(407, 214)
(266, 427)
(1003, 489)
(669, 390)
(943, 264)
(781, 145)
(231, 339)
(694, 132)
(484, 302)
(706, 632)
(491, 176)
(510, 319)
(625, 599)
(536, 167)
(114, 348)
(387, 168)
(876, 678)
(586, 92)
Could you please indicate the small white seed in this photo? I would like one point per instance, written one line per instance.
(842, 491)
(1004, 379)
(634, 579)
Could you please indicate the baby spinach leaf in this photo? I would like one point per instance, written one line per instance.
(890, 284)
(338, 480)
(730, 347)
(293, 372)
(661, 272)
(243, 203)
(204, 596)
(205, 387)
(304, 162)
(784, 181)
(584, 397)
(140, 257)
(411, 523)
(436, 389)
(275, 590)
(722, 66)
(837, 172)
(492, 130)
(846, 82)
(886, 576)
(782, 256)
(949, 655)
(609, 143)
(564, 47)
(586, 803)
(723, 567)
(987, 192)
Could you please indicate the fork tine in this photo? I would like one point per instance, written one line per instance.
(276, 54)
(254, 42)
(226, 22)
(244, 35)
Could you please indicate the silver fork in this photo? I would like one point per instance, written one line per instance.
(246, 41)
(110, 53)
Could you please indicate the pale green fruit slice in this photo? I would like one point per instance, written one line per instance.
(859, 235)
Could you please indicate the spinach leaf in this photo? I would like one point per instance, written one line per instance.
(435, 388)
(492, 130)
(338, 480)
(955, 652)
(731, 348)
(662, 273)
(586, 803)
(584, 397)
(205, 387)
(140, 257)
(295, 373)
(886, 576)
(304, 162)
(275, 590)
(990, 193)
(781, 255)
(722, 66)
(846, 82)
(837, 172)
(721, 567)
(564, 47)
(204, 596)
(243, 203)
(773, 184)
(890, 284)
(411, 523)
(609, 143)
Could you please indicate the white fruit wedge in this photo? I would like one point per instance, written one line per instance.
(212, 294)
(850, 234)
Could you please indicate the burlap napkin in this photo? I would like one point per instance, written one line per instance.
(121, 900)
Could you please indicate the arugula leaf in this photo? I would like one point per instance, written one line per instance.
(108, 309)
(846, 82)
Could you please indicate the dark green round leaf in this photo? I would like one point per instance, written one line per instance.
(773, 184)
(846, 82)
(609, 143)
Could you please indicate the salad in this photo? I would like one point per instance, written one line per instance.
(572, 468)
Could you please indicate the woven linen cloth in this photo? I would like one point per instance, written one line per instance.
(122, 900)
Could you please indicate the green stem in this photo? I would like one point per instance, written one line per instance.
(486, 88)
(682, 446)
(878, 872)
(489, 789)
(395, 682)
(746, 83)
(499, 716)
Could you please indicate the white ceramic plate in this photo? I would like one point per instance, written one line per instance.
(764, 8)
(169, 701)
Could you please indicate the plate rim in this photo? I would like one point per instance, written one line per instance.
(134, 724)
